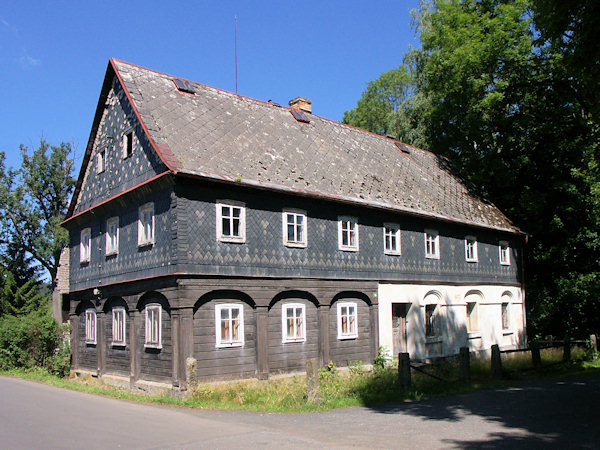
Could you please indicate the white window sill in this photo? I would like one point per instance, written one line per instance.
(230, 345)
(505, 264)
(90, 342)
(507, 332)
(295, 244)
(432, 256)
(84, 261)
(156, 346)
(392, 253)
(145, 244)
(291, 341)
(347, 336)
(472, 260)
(348, 249)
(232, 240)
(113, 253)
(118, 344)
(474, 335)
(433, 340)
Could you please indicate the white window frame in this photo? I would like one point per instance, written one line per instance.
(153, 332)
(112, 239)
(127, 138)
(352, 331)
(145, 236)
(101, 160)
(119, 326)
(435, 321)
(299, 332)
(472, 316)
(90, 326)
(432, 244)
(393, 231)
(223, 343)
(346, 226)
(504, 253)
(241, 237)
(300, 242)
(85, 251)
(471, 252)
(505, 314)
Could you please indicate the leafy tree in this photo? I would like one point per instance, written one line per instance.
(510, 93)
(16, 261)
(17, 300)
(34, 200)
(390, 107)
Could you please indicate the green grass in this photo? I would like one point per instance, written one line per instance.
(338, 389)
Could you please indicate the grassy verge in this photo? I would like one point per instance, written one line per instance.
(339, 389)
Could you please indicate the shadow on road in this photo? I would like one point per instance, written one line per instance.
(548, 413)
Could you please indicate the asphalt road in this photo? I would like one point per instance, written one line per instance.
(559, 414)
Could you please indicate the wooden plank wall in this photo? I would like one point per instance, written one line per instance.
(284, 357)
(156, 364)
(223, 363)
(117, 357)
(347, 351)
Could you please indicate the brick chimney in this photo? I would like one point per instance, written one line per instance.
(301, 103)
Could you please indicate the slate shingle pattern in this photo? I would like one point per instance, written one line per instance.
(221, 134)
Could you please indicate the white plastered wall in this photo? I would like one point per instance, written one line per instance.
(452, 317)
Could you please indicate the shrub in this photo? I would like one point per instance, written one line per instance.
(33, 340)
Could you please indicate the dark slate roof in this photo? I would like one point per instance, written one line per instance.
(218, 134)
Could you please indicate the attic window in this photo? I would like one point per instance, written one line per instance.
(403, 147)
(300, 116)
(183, 85)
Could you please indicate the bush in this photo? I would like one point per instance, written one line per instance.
(33, 340)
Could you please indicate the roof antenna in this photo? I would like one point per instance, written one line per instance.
(236, 81)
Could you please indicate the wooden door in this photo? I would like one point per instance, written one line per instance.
(399, 311)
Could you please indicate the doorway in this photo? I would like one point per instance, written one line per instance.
(399, 312)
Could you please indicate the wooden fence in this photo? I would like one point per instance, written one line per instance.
(405, 365)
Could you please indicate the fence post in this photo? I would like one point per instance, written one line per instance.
(567, 350)
(535, 355)
(496, 362)
(465, 364)
(312, 381)
(404, 371)
(593, 343)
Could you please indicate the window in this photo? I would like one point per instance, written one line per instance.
(391, 239)
(85, 245)
(101, 161)
(119, 320)
(471, 249)
(348, 234)
(432, 244)
(153, 320)
(505, 316)
(294, 229)
(504, 253)
(184, 85)
(128, 144)
(347, 320)
(146, 224)
(112, 236)
(300, 116)
(472, 317)
(431, 320)
(229, 323)
(293, 323)
(90, 326)
(231, 223)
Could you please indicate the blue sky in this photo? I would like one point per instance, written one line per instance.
(54, 55)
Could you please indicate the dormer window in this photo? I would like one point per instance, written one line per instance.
(184, 86)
